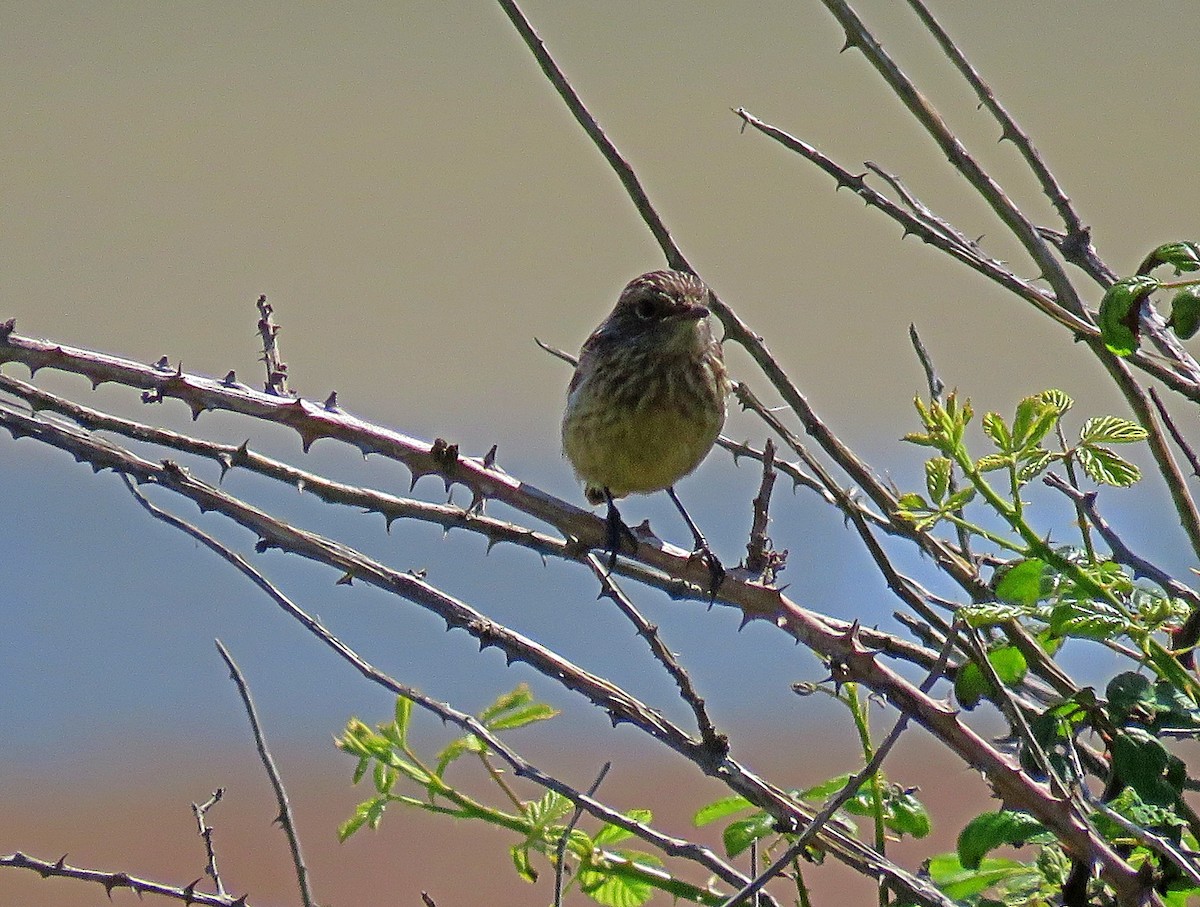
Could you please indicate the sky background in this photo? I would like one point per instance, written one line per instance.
(417, 204)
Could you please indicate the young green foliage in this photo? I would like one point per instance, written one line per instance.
(610, 876)
(1120, 309)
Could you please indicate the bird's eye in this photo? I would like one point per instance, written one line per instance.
(646, 308)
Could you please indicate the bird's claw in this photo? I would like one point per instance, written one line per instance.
(716, 572)
(618, 537)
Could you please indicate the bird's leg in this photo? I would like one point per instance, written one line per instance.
(618, 532)
(716, 573)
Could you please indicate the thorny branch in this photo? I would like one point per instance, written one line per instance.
(854, 651)
(111, 881)
(285, 817)
(521, 767)
(755, 602)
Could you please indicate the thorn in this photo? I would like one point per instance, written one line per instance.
(478, 499)
(230, 379)
(346, 579)
(331, 403)
(116, 879)
(489, 458)
(163, 364)
(7, 328)
(307, 437)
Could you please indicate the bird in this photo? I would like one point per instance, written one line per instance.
(647, 401)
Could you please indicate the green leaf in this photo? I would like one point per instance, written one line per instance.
(921, 438)
(988, 462)
(1132, 807)
(912, 501)
(1034, 419)
(1111, 430)
(1105, 467)
(819, 793)
(614, 889)
(1142, 761)
(959, 499)
(548, 808)
(719, 809)
(907, 815)
(971, 684)
(994, 428)
(1119, 313)
(1182, 256)
(937, 478)
(959, 883)
(611, 834)
(404, 708)
(1035, 463)
(1074, 619)
(368, 813)
(741, 833)
(1010, 665)
(1129, 691)
(1023, 582)
(506, 702)
(519, 717)
(1057, 399)
(520, 858)
(988, 831)
(354, 823)
(1185, 312)
(359, 740)
(458, 748)
(385, 778)
(989, 614)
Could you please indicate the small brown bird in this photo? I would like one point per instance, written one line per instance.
(647, 399)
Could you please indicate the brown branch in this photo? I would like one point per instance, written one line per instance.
(200, 811)
(1077, 247)
(762, 561)
(285, 817)
(756, 602)
(672, 846)
(1180, 441)
(717, 742)
(117, 880)
(272, 357)
(849, 789)
(1121, 552)
(917, 226)
(633, 186)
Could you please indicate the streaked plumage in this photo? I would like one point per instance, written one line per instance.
(647, 400)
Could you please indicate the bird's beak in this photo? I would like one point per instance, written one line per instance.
(692, 311)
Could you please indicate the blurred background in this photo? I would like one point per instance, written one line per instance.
(418, 205)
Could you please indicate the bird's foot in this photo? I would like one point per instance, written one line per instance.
(618, 536)
(716, 572)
